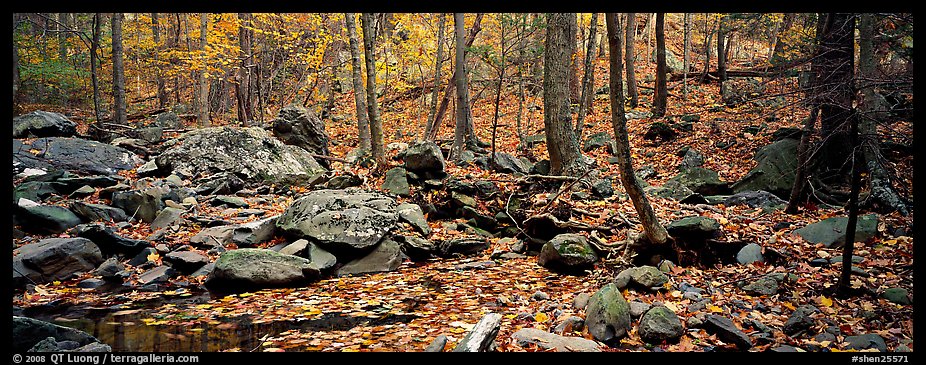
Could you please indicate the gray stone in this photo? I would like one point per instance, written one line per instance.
(694, 322)
(340, 220)
(425, 159)
(417, 248)
(35, 191)
(90, 212)
(736, 91)
(297, 126)
(186, 262)
(775, 169)
(866, 341)
(150, 135)
(694, 227)
(799, 321)
(108, 241)
(638, 308)
(622, 279)
(649, 277)
(568, 253)
(897, 295)
(581, 301)
(831, 232)
(660, 324)
(213, 236)
(156, 275)
(727, 331)
(166, 218)
(764, 285)
(482, 337)
(548, 341)
(692, 158)
(56, 258)
(539, 295)
(749, 254)
(91, 283)
(387, 256)
(510, 164)
(437, 345)
(258, 268)
(74, 154)
(296, 248)
(252, 233)
(412, 214)
(168, 120)
(598, 140)
(43, 124)
(465, 246)
(94, 347)
(142, 257)
(83, 191)
(45, 219)
(396, 182)
(230, 201)
(205, 270)
(701, 181)
(463, 200)
(344, 181)
(142, 205)
(754, 199)
(110, 270)
(608, 315)
(602, 188)
(27, 332)
(570, 324)
(249, 153)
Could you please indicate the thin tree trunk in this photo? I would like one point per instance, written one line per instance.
(376, 124)
(588, 77)
(159, 78)
(445, 100)
(15, 64)
(438, 62)
(659, 101)
(573, 64)
(202, 114)
(62, 37)
(563, 148)
(654, 231)
(800, 176)
(707, 49)
(721, 53)
(119, 113)
(498, 91)
(94, 73)
(844, 286)
(629, 61)
(243, 84)
(360, 97)
(777, 44)
(685, 47)
(463, 113)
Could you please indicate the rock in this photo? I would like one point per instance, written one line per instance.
(395, 182)
(539, 295)
(666, 266)
(486, 189)
(150, 135)
(82, 192)
(749, 254)
(567, 253)
(110, 270)
(186, 262)
(638, 309)
(638, 114)
(649, 277)
(35, 191)
(340, 220)
(45, 219)
(166, 218)
(622, 279)
(694, 227)
(168, 120)
(581, 301)
(548, 341)
(74, 154)
(754, 199)
(229, 201)
(300, 127)
(107, 193)
(728, 332)
(542, 167)
(412, 214)
(249, 153)
(659, 130)
(417, 248)
(694, 322)
(570, 324)
(225, 183)
(205, 270)
(785, 348)
(213, 236)
(481, 337)
(764, 285)
(89, 212)
(142, 257)
(94, 347)
(866, 341)
(55, 259)
(27, 332)
(252, 233)
(258, 268)
(735, 91)
(608, 315)
(296, 248)
(787, 133)
(50, 345)
(691, 159)
(701, 181)
(91, 283)
(660, 324)
(437, 345)
(774, 171)
(897, 296)
(831, 232)
(598, 140)
(510, 164)
(602, 188)
(108, 241)
(425, 159)
(156, 275)
(467, 245)
(387, 256)
(143, 205)
(320, 258)
(462, 200)
(799, 321)
(43, 124)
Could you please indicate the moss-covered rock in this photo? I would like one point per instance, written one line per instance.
(608, 315)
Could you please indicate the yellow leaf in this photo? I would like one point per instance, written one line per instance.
(510, 316)
(153, 257)
(826, 302)
(722, 221)
(714, 308)
(541, 317)
(204, 306)
(788, 305)
(56, 283)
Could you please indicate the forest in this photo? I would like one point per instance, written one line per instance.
(462, 182)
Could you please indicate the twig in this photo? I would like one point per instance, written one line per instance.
(563, 190)
(554, 177)
(739, 280)
(330, 158)
(700, 208)
(585, 212)
(515, 221)
(263, 340)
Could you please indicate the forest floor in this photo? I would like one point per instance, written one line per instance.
(406, 309)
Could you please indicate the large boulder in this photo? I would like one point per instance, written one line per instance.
(45, 219)
(43, 124)
(831, 232)
(28, 331)
(775, 170)
(425, 159)
(702, 181)
(608, 315)
(660, 324)
(75, 154)
(90, 212)
(300, 127)
(108, 241)
(252, 154)
(56, 258)
(142, 205)
(510, 164)
(396, 182)
(387, 256)
(741, 89)
(259, 268)
(465, 246)
(567, 252)
(694, 227)
(340, 220)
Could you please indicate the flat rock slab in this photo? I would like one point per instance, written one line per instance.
(340, 220)
(831, 232)
(547, 341)
(259, 268)
(727, 331)
(74, 154)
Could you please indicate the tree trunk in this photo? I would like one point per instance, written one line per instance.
(588, 77)
(243, 84)
(376, 124)
(360, 97)
(463, 113)
(573, 62)
(159, 78)
(631, 76)
(498, 91)
(62, 37)
(844, 286)
(800, 176)
(685, 47)
(94, 74)
(707, 49)
(654, 231)
(721, 53)
(15, 65)
(119, 114)
(565, 157)
(836, 67)
(438, 62)
(659, 97)
(445, 100)
(777, 44)
(202, 114)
